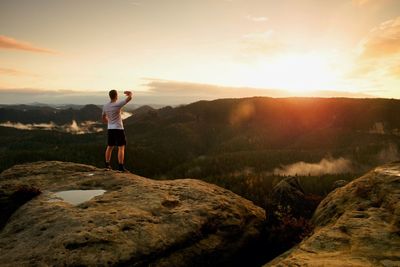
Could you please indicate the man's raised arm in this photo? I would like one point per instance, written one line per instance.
(129, 96)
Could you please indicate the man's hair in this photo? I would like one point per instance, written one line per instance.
(112, 94)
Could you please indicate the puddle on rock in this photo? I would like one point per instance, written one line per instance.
(76, 197)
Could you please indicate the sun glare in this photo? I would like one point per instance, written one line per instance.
(299, 74)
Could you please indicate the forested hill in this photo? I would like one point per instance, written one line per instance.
(259, 122)
(294, 113)
(229, 141)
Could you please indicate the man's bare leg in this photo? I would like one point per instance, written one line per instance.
(108, 156)
(121, 154)
(121, 158)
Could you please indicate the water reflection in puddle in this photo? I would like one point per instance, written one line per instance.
(76, 197)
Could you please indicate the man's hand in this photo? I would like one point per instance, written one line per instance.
(129, 96)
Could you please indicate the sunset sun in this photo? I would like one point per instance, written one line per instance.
(299, 73)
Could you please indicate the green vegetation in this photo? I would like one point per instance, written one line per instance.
(234, 143)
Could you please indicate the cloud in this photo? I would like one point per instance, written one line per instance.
(378, 52)
(198, 91)
(256, 19)
(159, 92)
(261, 43)
(382, 41)
(209, 91)
(35, 91)
(360, 70)
(11, 43)
(14, 72)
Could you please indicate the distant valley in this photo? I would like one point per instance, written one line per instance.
(245, 145)
(74, 119)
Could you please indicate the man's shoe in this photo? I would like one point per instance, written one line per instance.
(108, 166)
(121, 168)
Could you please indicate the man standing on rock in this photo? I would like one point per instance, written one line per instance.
(115, 133)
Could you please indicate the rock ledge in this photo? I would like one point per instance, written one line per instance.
(356, 225)
(136, 222)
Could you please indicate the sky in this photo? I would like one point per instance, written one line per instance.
(180, 51)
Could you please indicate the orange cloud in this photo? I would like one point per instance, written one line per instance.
(11, 43)
(165, 88)
(383, 40)
(379, 52)
(14, 72)
(360, 70)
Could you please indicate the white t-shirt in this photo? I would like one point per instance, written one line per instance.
(113, 112)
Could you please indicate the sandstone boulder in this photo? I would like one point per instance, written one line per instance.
(356, 225)
(135, 222)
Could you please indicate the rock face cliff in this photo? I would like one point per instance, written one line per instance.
(356, 225)
(135, 222)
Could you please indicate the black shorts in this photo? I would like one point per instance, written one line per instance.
(116, 137)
